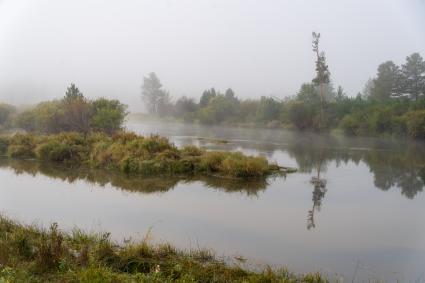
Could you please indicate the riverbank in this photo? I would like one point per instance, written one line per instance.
(133, 154)
(32, 254)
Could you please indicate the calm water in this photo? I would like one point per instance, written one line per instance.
(366, 220)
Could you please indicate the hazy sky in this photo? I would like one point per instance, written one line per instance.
(255, 47)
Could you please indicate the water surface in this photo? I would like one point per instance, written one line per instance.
(364, 219)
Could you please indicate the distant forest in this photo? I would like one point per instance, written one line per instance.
(391, 104)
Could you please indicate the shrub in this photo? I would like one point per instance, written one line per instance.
(107, 115)
(191, 150)
(242, 166)
(4, 144)
(21, 146)
(415, 121)
(65, 147)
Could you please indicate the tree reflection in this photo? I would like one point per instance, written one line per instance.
(393, 164)
(318, 192)
(128, 183)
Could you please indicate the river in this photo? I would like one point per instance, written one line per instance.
(355, 208)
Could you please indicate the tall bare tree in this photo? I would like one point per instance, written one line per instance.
(322, 72)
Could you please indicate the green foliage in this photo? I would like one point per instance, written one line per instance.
(107, 115)
(133, 154)
(268, 109)
(206, 97)
(386, 85)
(157, 100)
(36, 255)
(65, 147)
(4, 144)
(73, 113)
(21, 146)
(413, 76)
(415, 123)
(6, 112)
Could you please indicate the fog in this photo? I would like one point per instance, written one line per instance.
(255, 47)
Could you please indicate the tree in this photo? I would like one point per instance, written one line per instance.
(156, 99)
(322, 72)
(268, 109)
(184, 105)
(107, 115)
(229, 94)
(72, 93)
(303, 112)
(219, 109)
(76, 111)
(6, 112)
(413, 73)
(387, 83)
(340, 94)
(367, 89)
(207, 95)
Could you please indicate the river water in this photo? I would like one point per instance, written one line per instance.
(363, 219)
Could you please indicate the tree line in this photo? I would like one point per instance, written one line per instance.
(392, 103)
(73, 113)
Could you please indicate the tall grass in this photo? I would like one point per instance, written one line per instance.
(133, 154)
(30, 254)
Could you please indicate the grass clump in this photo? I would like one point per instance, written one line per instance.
(30, 254)
(134, 154)
(21, 146)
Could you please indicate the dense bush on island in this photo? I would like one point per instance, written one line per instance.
(134, 154)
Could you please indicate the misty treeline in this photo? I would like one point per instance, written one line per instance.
(392, 103)
(73, 113)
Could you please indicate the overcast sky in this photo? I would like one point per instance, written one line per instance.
(255, 47)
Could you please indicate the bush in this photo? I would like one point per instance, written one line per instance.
(107, 115)
(4, 143)
(242, 166)
(21, 146)
(6, 112)
(415, 122)
(134, 154)
(65, 147)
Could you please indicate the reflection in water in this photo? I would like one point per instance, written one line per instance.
(318, 192)
(129, 183)
(400, 165)
(364, 178)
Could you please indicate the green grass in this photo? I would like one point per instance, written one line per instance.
(132, 154)
(31, 254)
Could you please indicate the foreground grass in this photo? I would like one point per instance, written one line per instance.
(30, 254)
(133, 154)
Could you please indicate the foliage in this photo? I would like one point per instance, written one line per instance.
(386, 85)
(31, 254)
(6, 112)
(415, 123)
(133, 154)
(384, 108)
(73, 113)
(107, 115)
(413, 76)
(157, 100)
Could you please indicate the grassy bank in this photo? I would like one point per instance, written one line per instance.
(30, 254)
(132, 154)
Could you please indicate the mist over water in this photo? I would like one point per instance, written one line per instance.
(354, 208)
(369, 213)
(106, 47)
